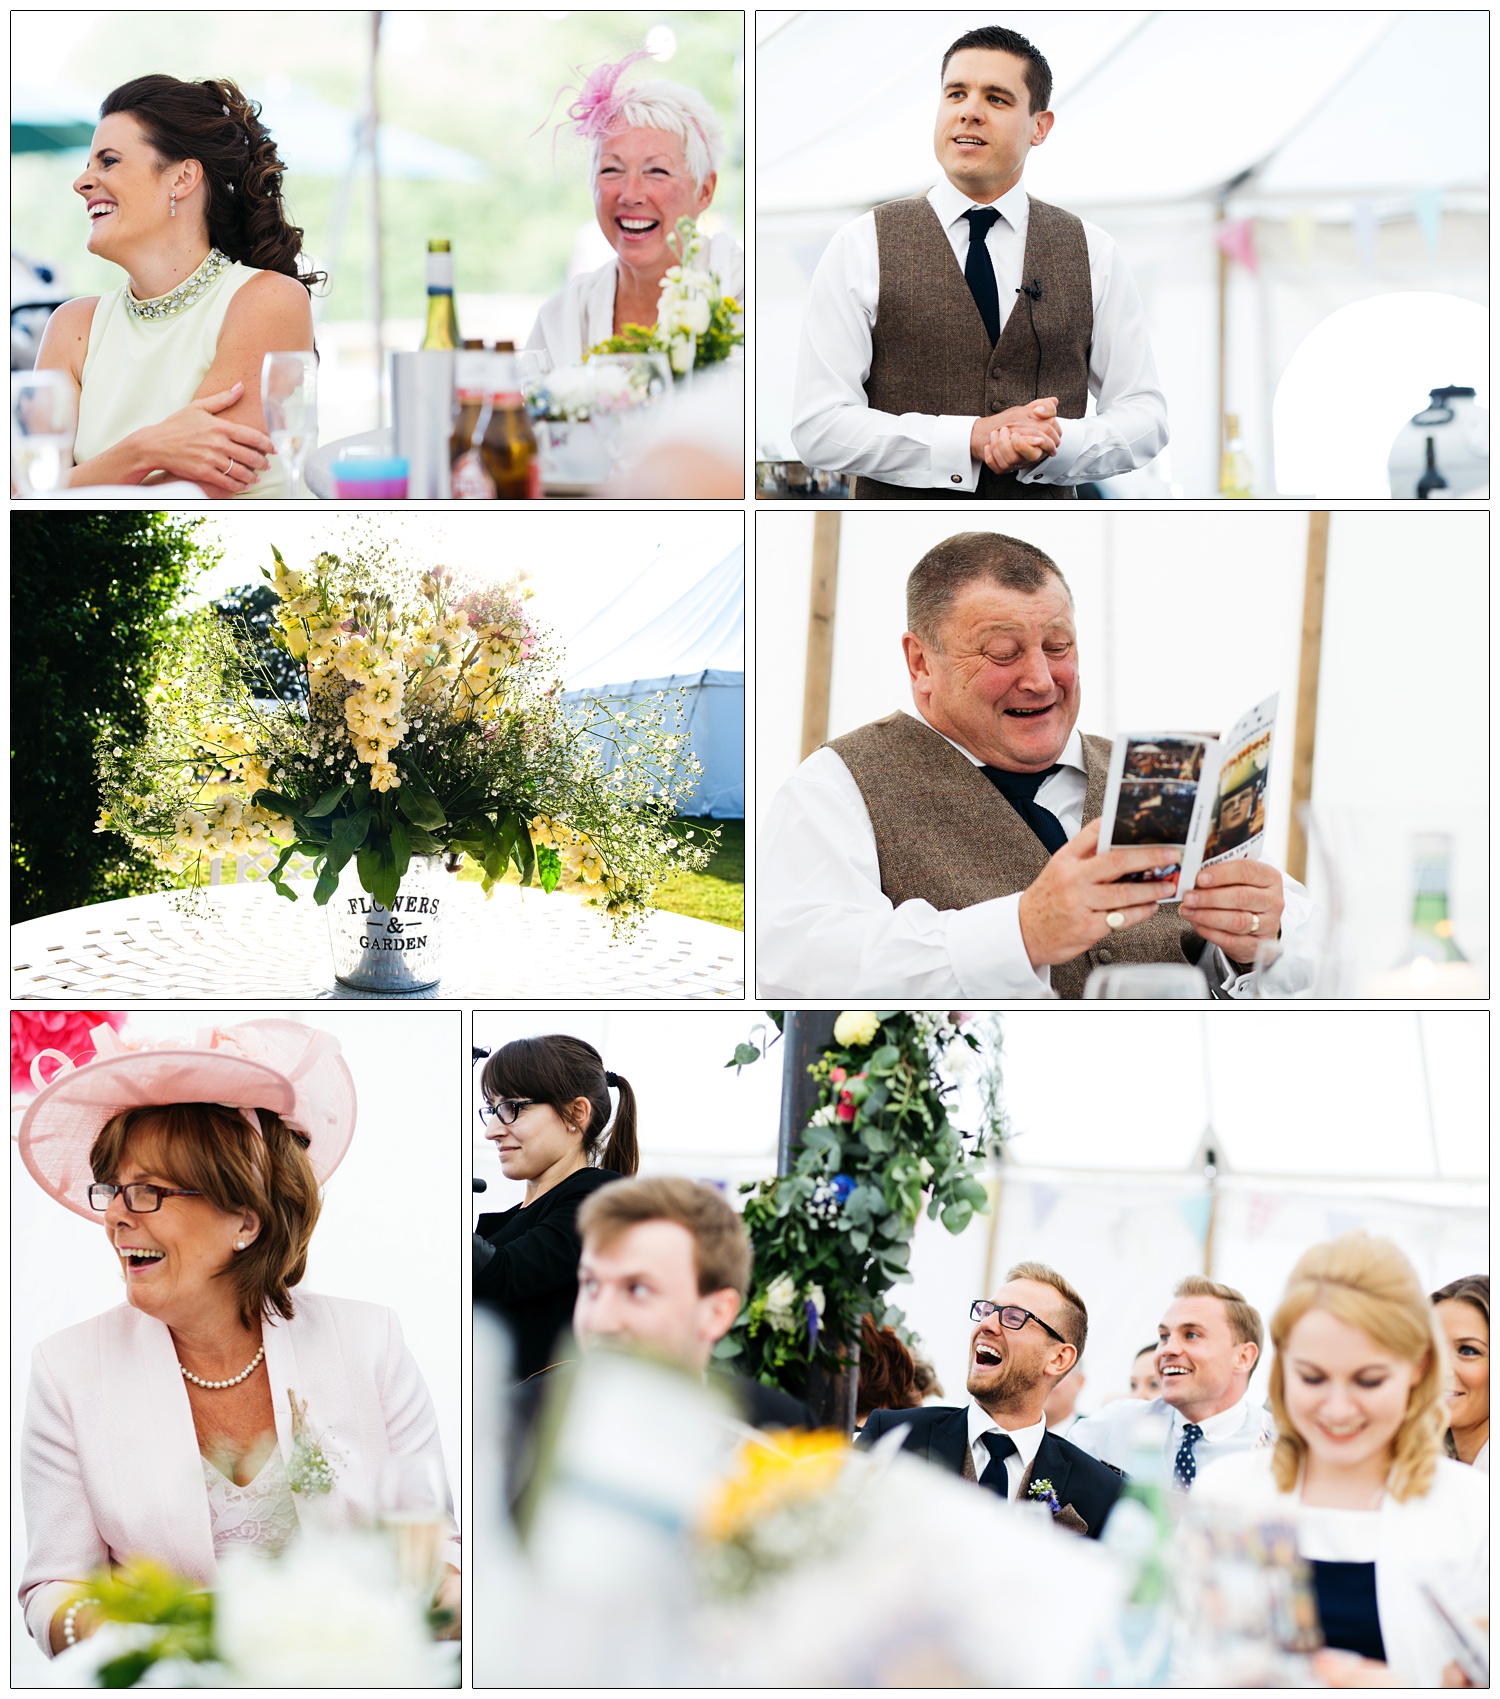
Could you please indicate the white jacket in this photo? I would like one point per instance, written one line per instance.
(110, 1465)
(1441, 1538)
(581, 314)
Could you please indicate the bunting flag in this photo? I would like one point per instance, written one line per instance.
(1364, 234)
(1195, 1211)
(1263, 1209)
(1302, 228)
(1428, 208)
(1236, 238)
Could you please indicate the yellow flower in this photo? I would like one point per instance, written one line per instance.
(772, 1472)
(855, 1026)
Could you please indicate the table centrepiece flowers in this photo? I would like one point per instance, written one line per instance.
(431, 724)
(696, 323)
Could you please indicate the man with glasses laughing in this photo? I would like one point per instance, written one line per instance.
(1025, 1340)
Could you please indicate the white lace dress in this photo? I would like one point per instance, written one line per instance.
(262, 1515)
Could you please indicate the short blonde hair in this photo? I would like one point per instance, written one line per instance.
(1244, 1319)
(1367, 1283)
(1075, 1325)
(677, 111)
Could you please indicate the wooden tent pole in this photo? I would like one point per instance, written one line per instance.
(1306, 732)
(818, 683)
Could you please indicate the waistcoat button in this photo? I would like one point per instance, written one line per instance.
(1105, 956)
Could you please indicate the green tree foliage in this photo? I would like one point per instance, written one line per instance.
(91, 596)
(250, 613)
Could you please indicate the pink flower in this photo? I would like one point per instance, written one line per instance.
(846, 1107)
(67, 1030)
(837, 1076)
(962, 1017)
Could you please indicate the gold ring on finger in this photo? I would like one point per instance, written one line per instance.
(1114, 920)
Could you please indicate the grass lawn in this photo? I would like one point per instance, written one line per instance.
(716, 894)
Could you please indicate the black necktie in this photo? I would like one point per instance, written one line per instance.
(1000, 1446)
(979, 272)
(1019, 790)
(1185, 1465)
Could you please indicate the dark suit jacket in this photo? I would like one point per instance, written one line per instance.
(766, 1406)
(526, 1266)
(940, 1433)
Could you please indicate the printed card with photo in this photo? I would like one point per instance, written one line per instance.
(1204, 795)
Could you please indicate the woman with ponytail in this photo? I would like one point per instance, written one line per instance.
(548, 1111)
(183, 192)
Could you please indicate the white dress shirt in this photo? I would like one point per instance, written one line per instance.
(1027, 1442)
(1110, 1435)
(581, 314)
(835, 429)
(824, 927)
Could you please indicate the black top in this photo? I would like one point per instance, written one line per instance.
(940, 1433)
(1347, 1608)
(526, 1266)
(765, 1406)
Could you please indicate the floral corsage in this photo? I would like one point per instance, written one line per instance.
(1043, 1492)
(310, 1470)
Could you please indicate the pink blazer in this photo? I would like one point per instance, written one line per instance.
(110, 1466)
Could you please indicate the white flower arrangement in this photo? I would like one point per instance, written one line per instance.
(576, 394)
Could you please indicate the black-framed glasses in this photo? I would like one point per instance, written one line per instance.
(141, 1197)
(504, 1110)
(1011, 1316)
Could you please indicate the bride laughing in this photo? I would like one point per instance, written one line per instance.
(183, 193)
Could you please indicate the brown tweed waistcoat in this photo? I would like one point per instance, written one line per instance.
(945, 835)
(931, 352)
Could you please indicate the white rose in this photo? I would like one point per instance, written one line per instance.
(695, 314)
(781, 1294)
(958, 1059)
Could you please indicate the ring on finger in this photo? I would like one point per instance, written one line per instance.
(1254, 923)
(230, 467)
(1114, 920)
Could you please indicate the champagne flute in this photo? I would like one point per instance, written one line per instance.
(43, 421)
(289, 397)
(413, 1509)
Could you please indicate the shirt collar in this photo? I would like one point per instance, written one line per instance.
(1072, 751)
(1027, 1441)
(1214, 1427)
(951, 204)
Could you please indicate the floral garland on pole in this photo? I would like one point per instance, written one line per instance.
(833, 1236)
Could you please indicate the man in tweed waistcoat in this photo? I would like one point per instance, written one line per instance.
(952, 340)
(952, 851)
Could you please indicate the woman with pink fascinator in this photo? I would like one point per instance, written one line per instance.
(220, 1406)
(655, 152)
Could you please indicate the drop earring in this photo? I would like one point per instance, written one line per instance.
(172, 209)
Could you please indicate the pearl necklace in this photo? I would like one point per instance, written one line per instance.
(186, 292)
(213, 1385)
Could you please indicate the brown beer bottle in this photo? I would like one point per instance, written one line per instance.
(494, 447)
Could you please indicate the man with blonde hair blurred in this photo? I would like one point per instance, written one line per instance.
(1026, 1340)
(664, 1269)
(1208, 1344)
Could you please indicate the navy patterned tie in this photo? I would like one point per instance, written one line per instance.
(1000, 1446)
(1186, 1466)
(979, 270)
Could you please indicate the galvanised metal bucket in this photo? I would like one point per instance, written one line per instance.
(392, 951)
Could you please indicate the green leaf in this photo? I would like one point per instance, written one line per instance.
(400, 853)
(877, 1140)
(349, 833)
(887, 1056)
(957, 1216)
(548, 868)
(886, 1014)
(327, 802)
(744, 1055)
(860, 1239)
(418, 801)
(728, 1347)
(387, 882)
(328, 882)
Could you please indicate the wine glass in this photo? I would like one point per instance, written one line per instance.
(289, 396)
(43, 421)
(413, 1508)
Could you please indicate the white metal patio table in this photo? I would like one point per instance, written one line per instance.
(246, 941)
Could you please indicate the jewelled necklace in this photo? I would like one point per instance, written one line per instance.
(186, 292)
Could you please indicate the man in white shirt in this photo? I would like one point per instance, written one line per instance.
(1208, 1344)
(1025, 1342)
(951, 852)
(951, 342)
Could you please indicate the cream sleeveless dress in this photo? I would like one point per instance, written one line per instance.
(139, 371)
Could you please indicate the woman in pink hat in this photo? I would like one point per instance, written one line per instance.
(220, 1406)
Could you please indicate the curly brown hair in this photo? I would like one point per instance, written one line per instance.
(887, 1371)
(213, 122)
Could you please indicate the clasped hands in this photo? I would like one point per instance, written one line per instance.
(1235, 904)
(1020, 436)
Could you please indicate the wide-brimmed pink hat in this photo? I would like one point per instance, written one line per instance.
(295, 1071)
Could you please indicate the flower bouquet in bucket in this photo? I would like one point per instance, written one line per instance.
(430, 726)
